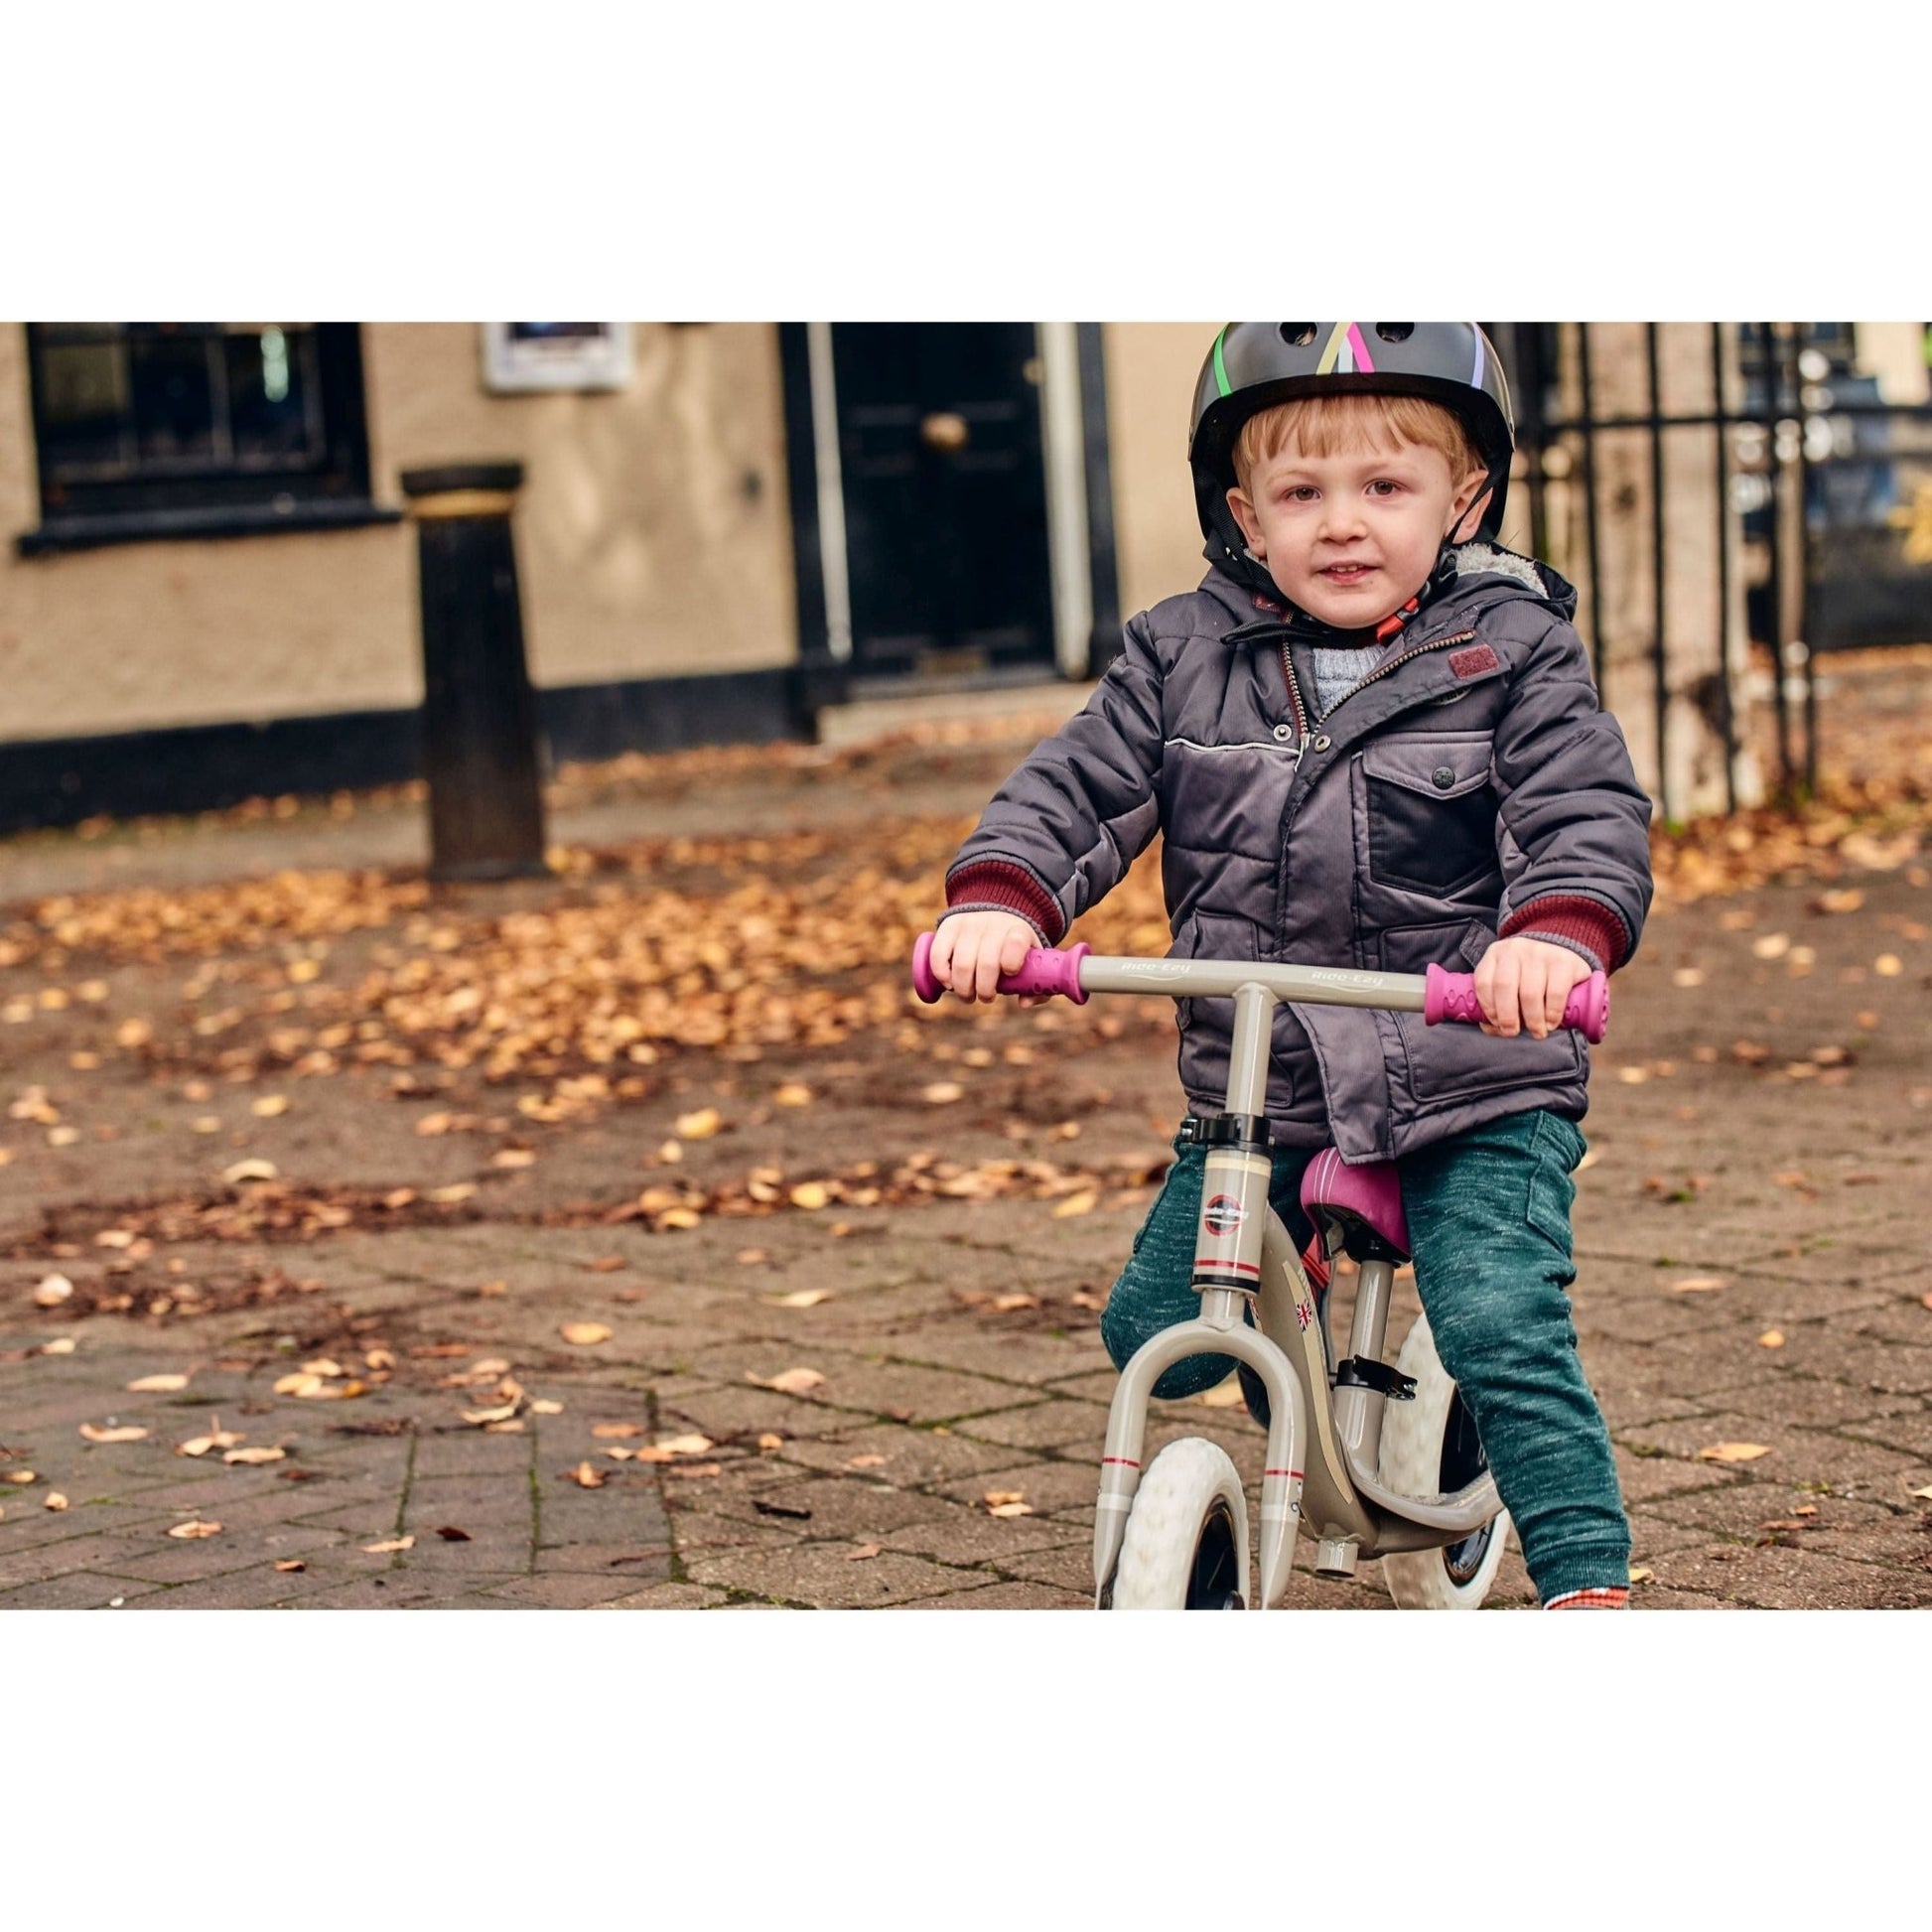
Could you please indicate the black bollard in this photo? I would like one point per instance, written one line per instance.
(480, 714)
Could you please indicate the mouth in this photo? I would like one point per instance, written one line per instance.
(1346, 574)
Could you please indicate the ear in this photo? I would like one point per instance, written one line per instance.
(1244, 514)
(1466, 514)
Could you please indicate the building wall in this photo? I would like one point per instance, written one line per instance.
(653, 538)
(1151, 369)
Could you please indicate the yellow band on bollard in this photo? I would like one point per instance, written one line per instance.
(464, 503)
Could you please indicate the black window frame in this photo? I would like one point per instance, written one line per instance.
(207, 498)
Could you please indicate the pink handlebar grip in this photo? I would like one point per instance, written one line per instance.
(1044, 971)
(1452, 996)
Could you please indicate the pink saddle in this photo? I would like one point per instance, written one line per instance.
(1366, 1202)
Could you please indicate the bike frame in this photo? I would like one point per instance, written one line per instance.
(1323, 1444)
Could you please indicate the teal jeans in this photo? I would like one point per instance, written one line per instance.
(1489, 1215)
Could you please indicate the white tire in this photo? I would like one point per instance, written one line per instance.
(1186, 1541)
(1429, 1446)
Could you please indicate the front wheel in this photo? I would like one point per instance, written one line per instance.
(1429, 1446)
(1185, 1546)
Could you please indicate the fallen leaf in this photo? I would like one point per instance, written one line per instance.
(296, 1382)
(476, 1417)
(59, 1345)
(1792, 1178)
(586, 1475)
(1223, 1395)
(457, 1190)
(585, 1334)
(389, 1546)
(494, 1288)
(998, 1498)
(451, 1534)
(678, 1217)
(1010, 1509)
(157, 1384)
(20, 1477)
(1804, 1509)
(252, 1457)
(1633, 1076)
(604, 1264)
(689, 1444)
(616, 1431)
(201, 1445)
(751, 1257)
(864, 1552)
(269, 1106)
(942, 1093)
(124, 1432)
(700, 1126)
(288, 1564)
(1009, 1303)
(1789, 1523)
(1643, 1576)
(514, 1157)
(811, 1195)
(249, 1171)
(867, 1461)
(1888, 965)
(52, 1292)
(1771, 945)
(794, 1381)
(194, 1531)
(543, 1405)
(770, 1442)
(314, 1389)
(620, 1454)
(55, 1500)
(804, 1298)
(1688, 976)
(1734, 1451)
(1925, 1494)
(1771, 1338)
(791, 1094)
(1084, 1202)
(1699, 1284)
(63, 1136)
(1845, 900)
(692, 1470)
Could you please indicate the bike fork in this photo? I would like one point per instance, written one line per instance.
(1220, 1330)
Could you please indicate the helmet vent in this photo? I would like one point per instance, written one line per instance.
(1298, 334)
(1395, 331)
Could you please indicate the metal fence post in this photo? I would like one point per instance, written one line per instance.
(480, 718)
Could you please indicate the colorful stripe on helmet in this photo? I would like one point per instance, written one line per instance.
(1220, 367)
(1344, 352)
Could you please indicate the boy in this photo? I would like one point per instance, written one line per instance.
(1370, 739)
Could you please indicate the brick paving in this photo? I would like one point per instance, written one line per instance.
(1799, 1176)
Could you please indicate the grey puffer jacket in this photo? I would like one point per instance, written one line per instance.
(1469, 785)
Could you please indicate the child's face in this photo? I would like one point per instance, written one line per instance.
(1352, 537)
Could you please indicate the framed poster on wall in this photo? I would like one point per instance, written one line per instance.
(526, 355)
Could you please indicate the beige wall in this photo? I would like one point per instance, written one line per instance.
(642, 548)
(1151, 369)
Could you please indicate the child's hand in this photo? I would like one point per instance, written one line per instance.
(1523, 984)
(971, 950)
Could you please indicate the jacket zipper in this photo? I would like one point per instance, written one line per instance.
(1395, 663)
(1301, 721)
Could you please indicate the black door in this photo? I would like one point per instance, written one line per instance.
(945, 496)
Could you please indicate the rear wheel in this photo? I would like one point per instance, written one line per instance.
(1429, 1446)
(1186, 1541)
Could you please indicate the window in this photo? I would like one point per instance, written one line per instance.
(195, 428)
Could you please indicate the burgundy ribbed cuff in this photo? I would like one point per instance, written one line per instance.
(1574, 920)
(989, 887)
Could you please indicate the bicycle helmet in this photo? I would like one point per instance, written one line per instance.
(1254, 365)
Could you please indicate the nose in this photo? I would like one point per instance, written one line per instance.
(1342, 520)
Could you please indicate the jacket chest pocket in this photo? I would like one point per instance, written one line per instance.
(1432, 815)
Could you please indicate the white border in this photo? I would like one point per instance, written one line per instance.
(578, 363)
